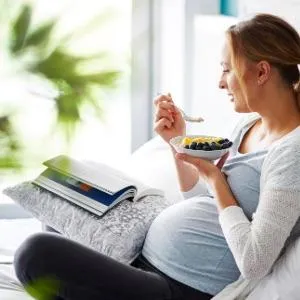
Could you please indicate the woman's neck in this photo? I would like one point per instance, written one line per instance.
(280, 116)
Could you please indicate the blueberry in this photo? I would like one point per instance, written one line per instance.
(214, 146)
(206, 148)
(224, 146)
(226, 140)
(227, 144)
(187, 147)
(193, 145)
(199, 146)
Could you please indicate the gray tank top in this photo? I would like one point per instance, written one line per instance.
(186, 241)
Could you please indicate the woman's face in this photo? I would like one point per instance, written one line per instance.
(229, 81)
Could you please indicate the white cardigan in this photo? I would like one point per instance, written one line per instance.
(257, 245)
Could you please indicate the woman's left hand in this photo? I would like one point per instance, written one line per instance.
(207, 169)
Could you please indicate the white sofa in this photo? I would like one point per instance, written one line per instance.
(153, 164)
(10, 288)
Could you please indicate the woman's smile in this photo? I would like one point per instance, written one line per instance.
(231, 98)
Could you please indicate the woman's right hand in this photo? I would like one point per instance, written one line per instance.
(168, 121)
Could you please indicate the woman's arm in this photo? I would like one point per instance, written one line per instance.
(209, 173)
(256, 245)
(222, 191)
(187, 174)
(169, 123)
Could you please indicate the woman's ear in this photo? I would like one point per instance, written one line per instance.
(263, 72)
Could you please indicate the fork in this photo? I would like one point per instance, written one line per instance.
(189, 118)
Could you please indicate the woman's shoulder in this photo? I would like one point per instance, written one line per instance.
(288, 144)
(247, 118)
(283, 159)
(243, 122)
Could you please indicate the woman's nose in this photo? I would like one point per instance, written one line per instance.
(222, 84)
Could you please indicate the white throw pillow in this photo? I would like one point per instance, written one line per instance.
(283, 282)
(119, 233)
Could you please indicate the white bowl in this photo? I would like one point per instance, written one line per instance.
(208, 155)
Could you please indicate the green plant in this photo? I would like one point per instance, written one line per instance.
(45, 288)
(37, 50)
(9, 145)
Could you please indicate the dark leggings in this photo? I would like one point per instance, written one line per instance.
(63, 269)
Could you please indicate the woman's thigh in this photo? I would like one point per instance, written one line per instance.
(82, 273)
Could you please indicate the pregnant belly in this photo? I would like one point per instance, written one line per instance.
(186, 233)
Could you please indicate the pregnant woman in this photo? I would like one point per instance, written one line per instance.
(239, 215)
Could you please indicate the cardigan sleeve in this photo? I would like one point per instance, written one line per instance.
(200, 188)
(256, 245)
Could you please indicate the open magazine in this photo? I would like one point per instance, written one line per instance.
(96, 189)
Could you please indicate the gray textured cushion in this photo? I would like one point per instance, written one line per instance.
(120, 233)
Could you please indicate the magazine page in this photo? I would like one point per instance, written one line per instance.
(142, 188)
(100, 176)
(103, 178)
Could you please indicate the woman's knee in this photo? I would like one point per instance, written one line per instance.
(31, 252)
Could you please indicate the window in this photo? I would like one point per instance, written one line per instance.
(107, 139)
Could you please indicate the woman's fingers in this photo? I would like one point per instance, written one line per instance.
(205, 167)
(188, 158)
(166, 105)
(165, 102)
(165, 110)
(198, 162)
(222, 161)
(162, 124)
(164, 114)
(161, 98)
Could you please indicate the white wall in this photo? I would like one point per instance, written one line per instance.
(176, 45)
(208, 100)
(288, 9)
(171, 49)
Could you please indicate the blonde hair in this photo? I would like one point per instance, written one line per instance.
(270, 38)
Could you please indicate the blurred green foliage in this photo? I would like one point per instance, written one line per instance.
(9, 145)
(45, 288)
(41, 53)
